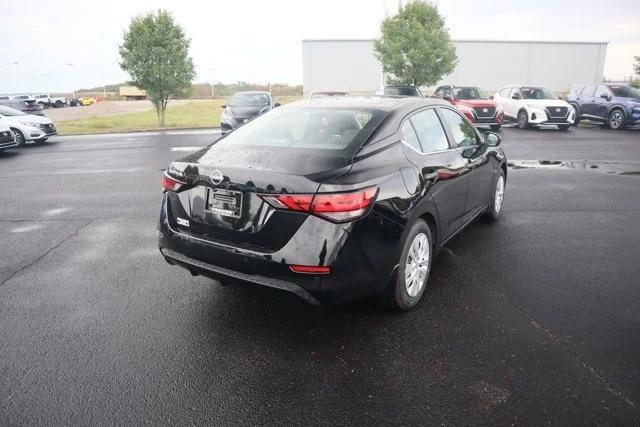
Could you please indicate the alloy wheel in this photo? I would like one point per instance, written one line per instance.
(522, 120)
(497, 200)
(615, 120)
(417, 265)
(17, 136)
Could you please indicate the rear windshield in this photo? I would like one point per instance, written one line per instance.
(307, 128)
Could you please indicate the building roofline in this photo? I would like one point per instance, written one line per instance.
(471, 41)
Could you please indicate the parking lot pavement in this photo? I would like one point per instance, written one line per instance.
(530, 320)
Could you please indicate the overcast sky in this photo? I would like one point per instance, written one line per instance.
(260, 40)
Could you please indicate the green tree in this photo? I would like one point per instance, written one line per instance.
(415, 47)
(636, 66)
(155, 53)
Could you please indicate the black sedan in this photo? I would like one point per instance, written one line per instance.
(332, 199)
(243, 107)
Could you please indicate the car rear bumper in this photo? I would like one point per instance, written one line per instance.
(361, 257)
(202, 268)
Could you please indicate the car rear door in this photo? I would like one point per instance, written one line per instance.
(426, 145)
(466, 140)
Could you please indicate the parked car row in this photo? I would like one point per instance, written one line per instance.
(614, 104)
(24, 128)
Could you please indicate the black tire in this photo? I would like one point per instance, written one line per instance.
(396, 296)
(576, 120)
(564, 127)
(616, 120)
(494, 209)
(495, 127)
(19, 137)
(523, 119)
(58, 104)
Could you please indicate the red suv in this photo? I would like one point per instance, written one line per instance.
(474, 103)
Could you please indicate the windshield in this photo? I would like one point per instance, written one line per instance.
(249, 100)
(537, 93)
(6, 111)
(469, 93)
(402, 91)
(625, 91)
(308, 128)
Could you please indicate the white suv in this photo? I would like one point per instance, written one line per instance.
(534, 105)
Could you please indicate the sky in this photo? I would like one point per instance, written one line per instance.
(56, 46)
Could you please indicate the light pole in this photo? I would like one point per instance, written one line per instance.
(212, 70)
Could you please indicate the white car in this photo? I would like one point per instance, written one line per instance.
(6, 136)
(534, 105)
(27, 128)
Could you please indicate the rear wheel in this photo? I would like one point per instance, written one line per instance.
(564, 127)
(495, 127)
(58, 104)
(523, 119)
(495, 207)
(413, 270)
(616, 120)
(18, 136)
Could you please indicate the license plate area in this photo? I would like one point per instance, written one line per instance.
(224, 202)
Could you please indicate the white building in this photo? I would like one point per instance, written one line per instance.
(350, 64)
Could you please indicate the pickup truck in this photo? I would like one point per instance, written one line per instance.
(48, 101)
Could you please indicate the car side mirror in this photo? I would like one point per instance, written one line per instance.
(491, 97)
(492, 139)
(515, 96)
(224, 106)
(277, 104)
(605, 96)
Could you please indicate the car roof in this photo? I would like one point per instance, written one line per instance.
(367, 102)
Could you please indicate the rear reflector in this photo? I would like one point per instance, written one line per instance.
(310, 269)
(170, 184)
(335, 207)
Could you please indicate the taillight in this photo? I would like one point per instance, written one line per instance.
(170, 184)
(335, 207)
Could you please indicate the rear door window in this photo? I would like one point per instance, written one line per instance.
(430, 131)
(589, 91)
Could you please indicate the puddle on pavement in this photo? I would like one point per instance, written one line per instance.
(611, 168)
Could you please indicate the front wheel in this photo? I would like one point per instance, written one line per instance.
(564, 127)
(616, 120)
(413, 270)
(495, 206)
(495, 127)
(523, 119)
(18, 137)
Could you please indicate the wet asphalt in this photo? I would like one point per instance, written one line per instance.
(530, 320)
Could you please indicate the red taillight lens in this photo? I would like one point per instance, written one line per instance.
(310, 269)
(170, 184)
(335, 207)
